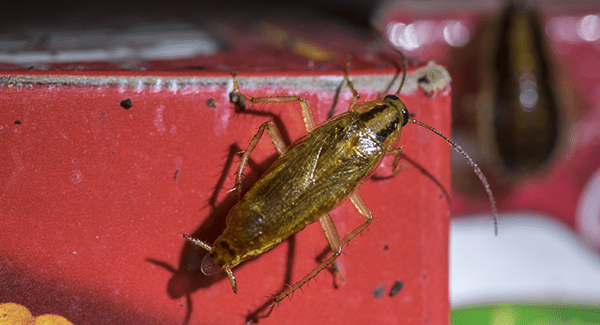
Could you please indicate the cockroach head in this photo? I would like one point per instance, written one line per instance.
(394, 101)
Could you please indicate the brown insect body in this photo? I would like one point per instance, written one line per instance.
(318, 171)
(523, 124)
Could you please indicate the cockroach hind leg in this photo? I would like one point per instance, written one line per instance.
(237, 188)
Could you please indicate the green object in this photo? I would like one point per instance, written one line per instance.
(527, 314)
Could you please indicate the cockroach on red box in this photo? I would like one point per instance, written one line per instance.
(311, 176)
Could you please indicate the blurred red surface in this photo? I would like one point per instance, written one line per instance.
(95, 198)
(567, 187)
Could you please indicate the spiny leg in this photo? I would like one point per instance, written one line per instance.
(336, 249)
(307, 113)
(335, 243)
(198, 243)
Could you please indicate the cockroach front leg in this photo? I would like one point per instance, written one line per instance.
(397, 157)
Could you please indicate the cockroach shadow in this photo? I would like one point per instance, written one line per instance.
(187, 276)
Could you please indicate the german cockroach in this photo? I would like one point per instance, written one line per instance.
(519, 117)
(311, 176)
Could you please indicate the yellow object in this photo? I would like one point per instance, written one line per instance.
(15, 314)
(51, 319)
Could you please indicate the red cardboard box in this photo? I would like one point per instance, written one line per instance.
(103, 169)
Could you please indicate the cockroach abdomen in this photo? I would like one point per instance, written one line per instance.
(207, 266)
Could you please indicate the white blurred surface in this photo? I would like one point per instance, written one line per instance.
(138, 39)
(533, 259)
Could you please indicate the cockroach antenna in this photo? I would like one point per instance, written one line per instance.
(456, 147)
(473, 165)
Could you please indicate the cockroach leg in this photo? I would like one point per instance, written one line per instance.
(362, 207)
(331, 233)
(336, 248)
(397, 152)
(277, 141)
(307, 113)
(231, 279)
(335, 243)
(355, 95)
(198, 243)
